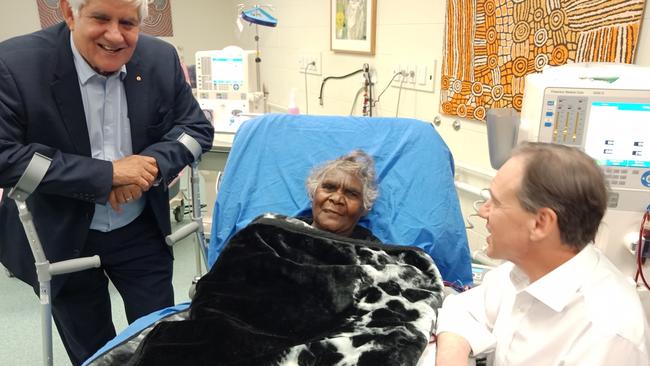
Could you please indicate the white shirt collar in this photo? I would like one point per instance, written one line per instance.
(557, 288)
(84, 70)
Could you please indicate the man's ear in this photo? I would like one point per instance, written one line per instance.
(66, 10)
(544, 225)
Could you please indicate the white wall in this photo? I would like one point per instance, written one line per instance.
(197, 24)
(18, 17)
(408, 31)
(201, 25)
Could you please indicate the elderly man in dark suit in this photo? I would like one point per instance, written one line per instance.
(107, 105)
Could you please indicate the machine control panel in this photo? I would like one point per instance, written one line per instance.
(602, 109)
(566, 119)
(645, 179)
(231, 70)
(613, 127)
(226, 87)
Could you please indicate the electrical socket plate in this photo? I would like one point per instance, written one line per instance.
(423, 79)
(305, 59)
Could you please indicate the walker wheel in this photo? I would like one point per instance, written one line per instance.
(179, 213)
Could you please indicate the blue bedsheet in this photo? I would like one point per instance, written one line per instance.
(136, 327)
(272, 155)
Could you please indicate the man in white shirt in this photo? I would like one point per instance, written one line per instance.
(558, 301)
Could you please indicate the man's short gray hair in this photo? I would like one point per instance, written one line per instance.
(142, 5)
(357, 163)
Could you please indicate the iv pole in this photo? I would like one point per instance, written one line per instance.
(258, 16)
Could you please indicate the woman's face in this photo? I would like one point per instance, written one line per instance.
(338, 203)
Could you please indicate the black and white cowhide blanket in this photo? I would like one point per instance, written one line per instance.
(283, 293)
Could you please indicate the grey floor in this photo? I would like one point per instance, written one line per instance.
(20, 326)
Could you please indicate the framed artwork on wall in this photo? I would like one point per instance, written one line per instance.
(492, 45)
(352, 26)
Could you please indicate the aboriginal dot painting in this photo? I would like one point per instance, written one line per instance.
(491, 45)
(158, 23)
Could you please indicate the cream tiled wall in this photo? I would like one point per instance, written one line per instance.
(197, 24)
(408, 32)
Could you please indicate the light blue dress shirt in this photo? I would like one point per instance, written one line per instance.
(109, 129)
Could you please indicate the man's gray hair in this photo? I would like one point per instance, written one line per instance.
(357, 163)
(142, 5)
(567, 181)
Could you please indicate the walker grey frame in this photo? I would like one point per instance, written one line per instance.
(196, 225)
(28, 182)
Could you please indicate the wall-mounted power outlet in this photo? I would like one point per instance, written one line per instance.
(310, 63)
(420, 76)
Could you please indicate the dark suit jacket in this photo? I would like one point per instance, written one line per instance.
(41, 111)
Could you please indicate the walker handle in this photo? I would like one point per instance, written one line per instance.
(75, 265)
(181, 233)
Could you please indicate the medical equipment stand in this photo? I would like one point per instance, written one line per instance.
(258, 16)
(196, 226)
(367, 86)
(30, 179)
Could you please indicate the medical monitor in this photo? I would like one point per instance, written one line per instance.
(613, 127)
(226, 71)
(604, 110)
(607, 118)
(231, 70)
(226, 83)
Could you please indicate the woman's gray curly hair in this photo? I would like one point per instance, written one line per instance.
(357, 163)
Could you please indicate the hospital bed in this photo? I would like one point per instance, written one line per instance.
(272, 155)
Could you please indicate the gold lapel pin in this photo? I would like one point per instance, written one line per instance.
(138, 78)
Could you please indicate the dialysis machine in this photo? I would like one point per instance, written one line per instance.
(603, 109)
(227, 87)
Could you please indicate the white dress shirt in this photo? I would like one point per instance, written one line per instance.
(584, 312)
(109, 130)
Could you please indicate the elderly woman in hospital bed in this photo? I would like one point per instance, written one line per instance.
(295, 291)
(289, 293)
(342, 191)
